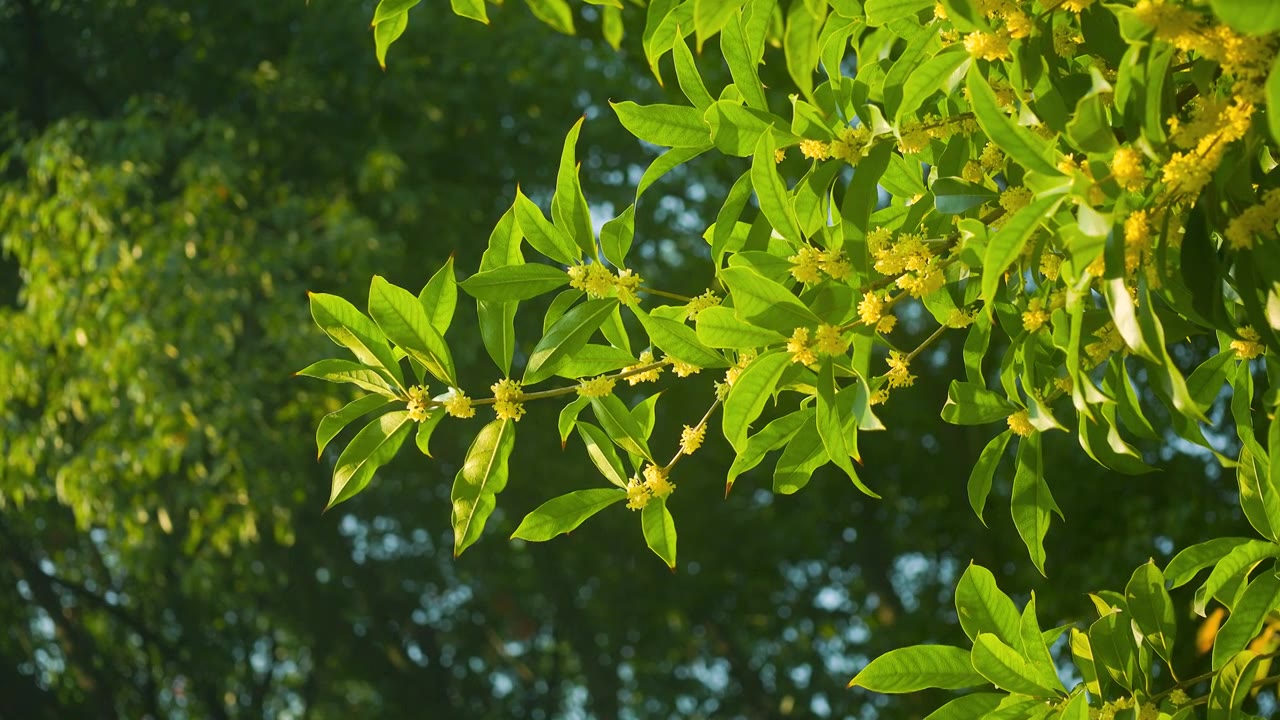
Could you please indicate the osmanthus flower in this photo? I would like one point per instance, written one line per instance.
(1126, 168)
(1050, 265)
(646, 358)
(1255, 221)
(830, 341)
(836, 264)
(637, 494)
(1137, 241)
(806, 265)
(1248, 346)
(683, 369)
(959, 318)
(815, 149)
(779, 155)
(457, 404)
(798, 346)
(1014, 199)
(744, 359)
(506, 399)
(594, 279)
(1020, 424)
(597, 387)
(627, 283)
(700, 303)
(899, 375)
(886, 324)
(691, 438)
(870, 309)
(656, 482)
(852, 145)
(988, 45)
(1036, 316)
(417, 405)
(1109, 340)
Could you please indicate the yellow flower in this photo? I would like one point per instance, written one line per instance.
(879, 238)
(637, 494)
(988, 46)
(815, 149)
(1063, 383)
(684, 369)
(1255, 221)
(1020, 424)
(830, 341)
(418, 410)
(852, 145)
(899, 374)
(886, 324)
(1109, 341)
(836, 264)
(913, 139)
(1247, 347)
(880, 396)
(646, 358)
(939, 11)
(1126, 168)
(1066, 40)
(1050, 266)
(1014, 199)
(627, 284)
(972, 172)
(656, 482)
(992, 158)
(806, 265)
(458, 405)
(799, 348)
(700, 303)
(1076, 6)
(506, 399)
(870, 309)
(1035, 317)
(1137, 240)
(959, 319)
(691, 438)
(779, 155)
(596, 387)
(594, 279)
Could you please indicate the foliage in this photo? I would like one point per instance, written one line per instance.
(1085, 191)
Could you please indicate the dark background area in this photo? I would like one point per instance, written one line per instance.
(175, 176)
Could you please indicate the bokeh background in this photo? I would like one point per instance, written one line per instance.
(175, 176)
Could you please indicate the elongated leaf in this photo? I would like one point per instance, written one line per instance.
(1006, 668)
(483, 475)
(388, 9)
(665, 163)
(968, 707)
(569, 207)
(568, 335)
(679, 341)
(346, 371)
(983, 608)
(603, 456)
(1035, 650)
(1152, 610)
(771, 192)
(664, 125)
(1018, 142)
(659, 530)
(514, 282)
(710, 16)
(1007, 244)
(969, 404)
(1189, 562)
(616, 236)
(387, 32)
(803, 454)
(565, 513)
(984, 470)
(622, 428)
(1231, 686)
(952, 196)
(1114, 651)
(1233, 565)
(439, 297)
(736, 129)
(831, 426)
(1260, 598)
(473, 9)
(405, 322)
(568, 417)
(1082, 655)
(929, 77)
(334, 422)
(918, 667)
(735, 46)
(592, 359)
(687, 70)
(749, 394)
(774, 435)
(800, 43)
(763, 302)
(880, 12)
(719, 327)
(370, 449)
(1032, 502)
(1273, 99)
(541, 234)
(352, 329)
(422, 438)
(555, 13)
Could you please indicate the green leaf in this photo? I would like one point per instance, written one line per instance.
(980, 477)
(439, 297)
(345, 371)
(352, 329)
(659, 530)
(831, 426)
(603, 456)
(511, 283)
(1248, 16)
(710, 17)
(803, 454)
(592, 359)
(1152, 610)
(1077, 708)
(565, 513)
(1114, 651)
(542, 235)
(736, 130)
(983, 608)
(370, 449)
(774, 435)
(568, 417)
(568, 335)
(749, 393)
(1273, 99)
(918, 667)
(1234, 564)
(616, 236)
(880, 12)
(1018, 142)
(555, 13)
(1007, 244)
(664, 125)
(1082, 655)
(665, 163)
(388, 9)
(473, 9)
(1260, 598)
(1032, 502)
(1035, 650)
(969, 404)
(763, 302)
(569, 207)
(953, 196)
(1258, 495)
(772, 194)
(334, 422)
(387, 32)
(622, 428)
(938, 73)
(800, 44)
(425, 429)
(498, 332)
(405, 322)
(719, 327)
(687, 74)
(1184, 566)
(1231, 686)
(742, 59)
(678, 341)
(483, 475)
(1006, 668)
(968, 707)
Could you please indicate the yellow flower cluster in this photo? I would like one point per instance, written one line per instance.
(637, 494)
(597, 281)
(852, 145)
(988, 46)
(646, 358)
(899, 374)
(691, 438)
(914, 136)
(1109, 340)
(908, 258)
(1020, 424)
(1112, 710)
(1076, 6)
(656, 482)
(959, 319)
(1063, 384)
(1126, 168)
(870, 309)
(684, 369)
(1137, 241)
(1255, 221)
(744, 359)
(597, 387)
(886, 324)
(809, 264)
(1036, 316)
(458, 405)
(1187, 173)
(815, 149)
(1066, 40)
(1050, 266)
(1245, 58)
(799, 347)
(779, 155)
(830, 341)
(1014, 199)
(506, 399)
(1248, 346)
(417, 405)
(700, 303)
